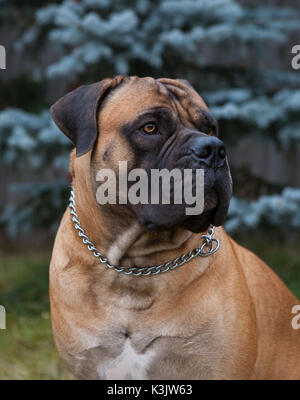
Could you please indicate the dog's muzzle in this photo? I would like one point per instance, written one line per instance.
(209, 151)
(193, 151)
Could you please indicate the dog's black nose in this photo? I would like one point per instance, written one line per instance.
(209, 150)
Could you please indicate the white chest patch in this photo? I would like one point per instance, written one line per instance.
(128, 365)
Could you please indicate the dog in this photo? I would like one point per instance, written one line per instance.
(223, 316)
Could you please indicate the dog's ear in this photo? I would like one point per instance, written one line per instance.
(76, 114)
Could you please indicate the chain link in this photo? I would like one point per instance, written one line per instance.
(210, 243)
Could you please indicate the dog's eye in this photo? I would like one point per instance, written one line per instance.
(150, 127)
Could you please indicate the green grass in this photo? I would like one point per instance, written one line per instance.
(27, 350)
(26, 346)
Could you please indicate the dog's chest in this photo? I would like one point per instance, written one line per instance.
(129, 364)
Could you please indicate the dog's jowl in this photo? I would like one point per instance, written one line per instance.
(208, 309)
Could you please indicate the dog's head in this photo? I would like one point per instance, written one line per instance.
(154, 125)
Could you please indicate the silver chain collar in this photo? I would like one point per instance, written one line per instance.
(210, 242)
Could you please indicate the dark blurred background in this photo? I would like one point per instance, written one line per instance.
(237, 54)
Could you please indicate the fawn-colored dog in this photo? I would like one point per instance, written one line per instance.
(224, 316)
